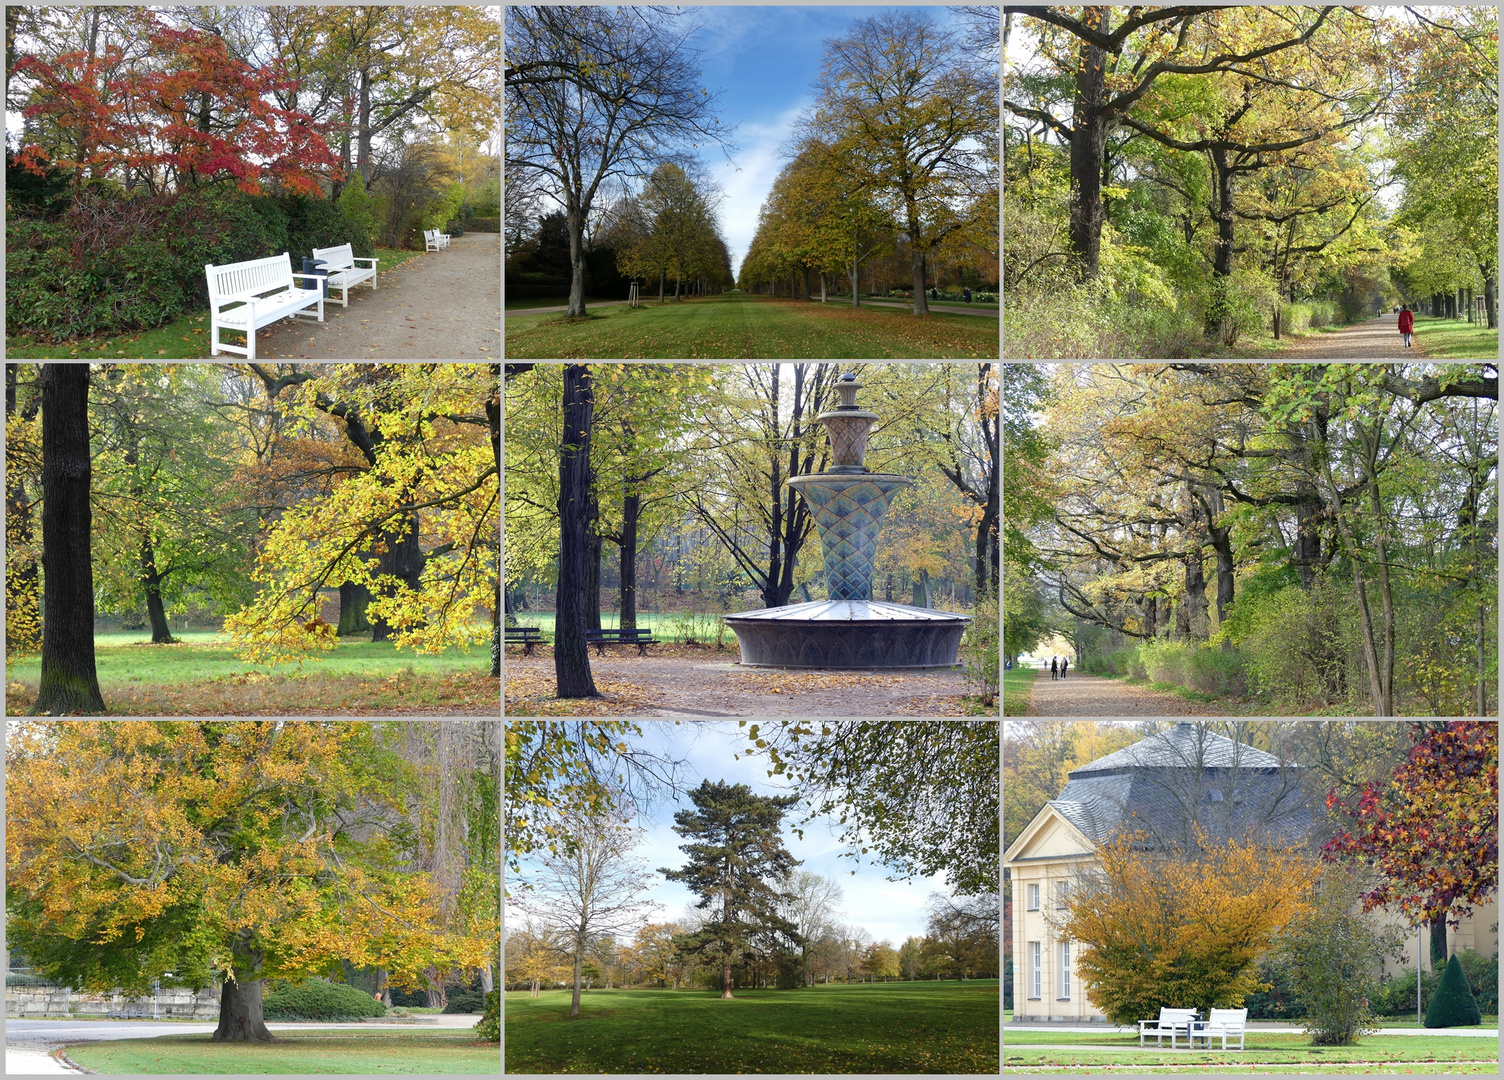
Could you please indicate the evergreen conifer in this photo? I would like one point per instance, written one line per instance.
(1453, 1005)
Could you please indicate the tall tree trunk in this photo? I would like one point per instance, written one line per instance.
(353, 599)
(574, 218)
(593, 583)
(1087, 145)
(571, 655)
(916, 266)
(579, 962)
(363, 131)
(1307, 542)
(69, 682)
(1488, 299)
(240, 1015)
(151, 584)
(404, 560)
(630, 508)
(1439, 941)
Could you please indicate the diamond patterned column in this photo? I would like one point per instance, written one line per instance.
(848, 513)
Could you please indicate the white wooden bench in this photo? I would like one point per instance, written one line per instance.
(1224, 1022)
(259, 292)
(1171, 1022)
(343, 273)
(433, 240)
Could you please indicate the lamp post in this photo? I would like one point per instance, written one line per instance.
(1418, 927)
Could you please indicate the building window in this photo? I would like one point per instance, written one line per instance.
(1216, 796)
(1034, 972)
(1033, 898)
(1062, 895)
(1065, 971)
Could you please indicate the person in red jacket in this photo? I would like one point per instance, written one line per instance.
(1407, 325)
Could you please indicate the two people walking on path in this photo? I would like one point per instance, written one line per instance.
(1058, 664)
(1407, 325)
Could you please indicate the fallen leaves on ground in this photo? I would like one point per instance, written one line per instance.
(534, 694)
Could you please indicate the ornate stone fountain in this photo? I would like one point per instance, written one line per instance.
(849, 629)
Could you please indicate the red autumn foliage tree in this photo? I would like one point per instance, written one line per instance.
(190, 111)
(1433, 834)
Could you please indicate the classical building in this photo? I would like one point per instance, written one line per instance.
(1164, 786)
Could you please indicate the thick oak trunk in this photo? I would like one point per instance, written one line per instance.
(630, 509)
(353, 599)
(1087, 145)
(69, 682)
(240, 1016)
(571, 656)
(403, 559)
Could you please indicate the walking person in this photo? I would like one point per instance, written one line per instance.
(1407, 325)
(1065, 662)
(1054, 669)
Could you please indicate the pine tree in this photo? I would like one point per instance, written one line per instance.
(740, 847)
(1453, 1005)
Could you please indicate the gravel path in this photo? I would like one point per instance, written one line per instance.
(717, 686)
(1091, 695)
(442, 305)
(1375, 339)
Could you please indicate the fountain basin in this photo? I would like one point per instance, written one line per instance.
(848, 634)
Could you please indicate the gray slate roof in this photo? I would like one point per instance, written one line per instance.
(1154, 785)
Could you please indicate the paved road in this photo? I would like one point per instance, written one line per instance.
(1376, 339)
(442, 305)
(1012, 1032)
(1091, 695)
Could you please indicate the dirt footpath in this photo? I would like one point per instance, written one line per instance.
(442, 305)
(634, 685)
(1091, 695)
(1376, 339)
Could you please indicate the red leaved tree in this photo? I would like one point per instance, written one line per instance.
(190, 111)
(1433, 833)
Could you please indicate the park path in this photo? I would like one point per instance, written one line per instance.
(1378, 338)
(442, 305)
(1091, 695)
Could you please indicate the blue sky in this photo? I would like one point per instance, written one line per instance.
(764, 61)
(891, 910)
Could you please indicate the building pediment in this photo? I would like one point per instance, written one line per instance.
(1052, 833)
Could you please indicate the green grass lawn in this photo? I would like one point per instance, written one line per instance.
(1016, 686)
(137, 677)
(185, 338)
(336, 1050)
(1262, 1047)
(909, 1027)
(1455, 339)
(740, 326)
(556, 301)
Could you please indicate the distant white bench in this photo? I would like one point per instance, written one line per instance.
(258, 292)
(343, 273)
(1171, 1022)
(1224, 1022)
(433, 240)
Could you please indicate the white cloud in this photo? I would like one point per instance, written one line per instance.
(749, 177)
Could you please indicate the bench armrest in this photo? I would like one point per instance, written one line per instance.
(363, 258)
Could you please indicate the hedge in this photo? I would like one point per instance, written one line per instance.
(489, 1027)
(319, 1000)
(485, 224)
(111, 263)
(465, 1001)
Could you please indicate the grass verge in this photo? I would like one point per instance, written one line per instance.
(739, 326)
(1455, 339)
(1261, 1047)
(392, 1053)
(1016, 686)
(916, 1027)
(556, 301)
(201, 676)
(185, 338)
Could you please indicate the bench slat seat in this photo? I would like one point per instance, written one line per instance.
(1171, 1022)
(265, 291)
(1224, 1022)
(641, 636)
(343, 273)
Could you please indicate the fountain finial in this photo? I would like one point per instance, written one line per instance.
(847, 426)
(847, 386)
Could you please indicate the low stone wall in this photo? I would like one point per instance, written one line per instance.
(24, 1001)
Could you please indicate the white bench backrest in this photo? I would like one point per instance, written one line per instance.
(255, 276)
(1176, 1016)
(1229, 1018)
(336, 258)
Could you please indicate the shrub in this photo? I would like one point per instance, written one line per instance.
(1278, 1002)
(489, 1026)
(465, 1001)
(315, 223)
(318, 999)
(411, 999)
(1327, 953)
(1396, 995)
(1453, 1005)
(485, 224)
(981, 667)
(1482, 978)
(356, 208)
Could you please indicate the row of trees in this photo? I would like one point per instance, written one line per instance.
(1328, 531)
(660, 443)
(899, 149)
(252, 490)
